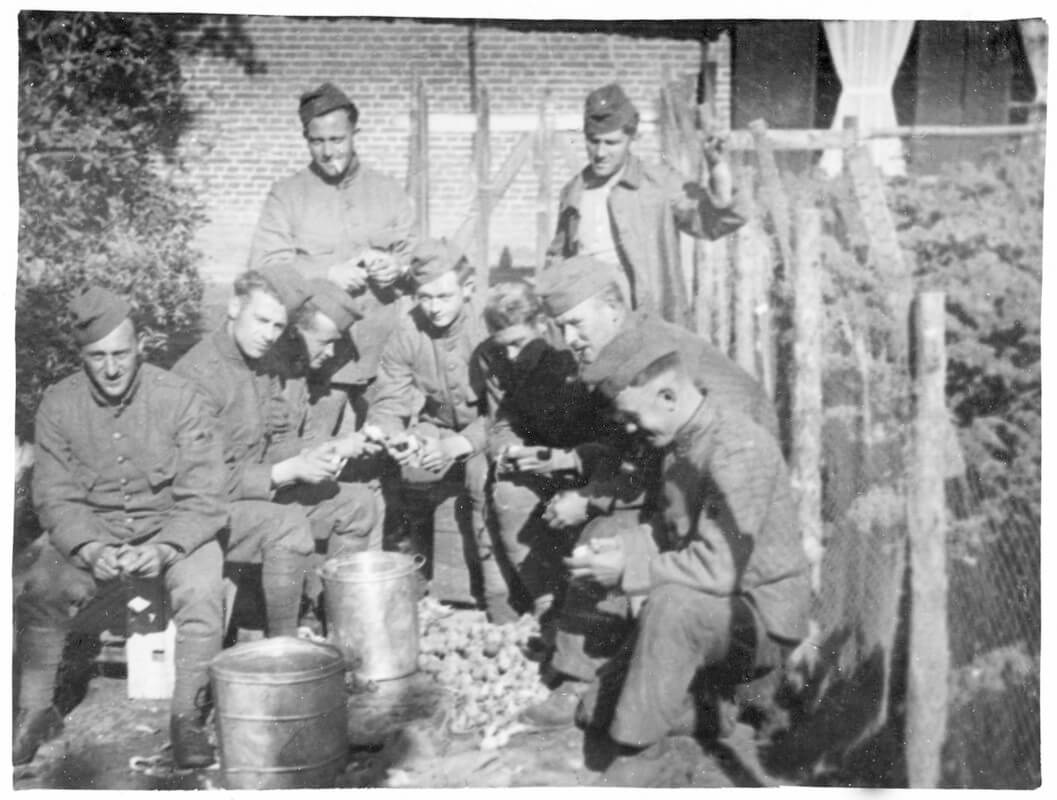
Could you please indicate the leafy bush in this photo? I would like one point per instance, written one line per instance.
(100, 117)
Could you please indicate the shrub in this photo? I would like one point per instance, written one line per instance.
(101, 201)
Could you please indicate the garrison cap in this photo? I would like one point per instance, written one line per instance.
(335, 302)
(568, 283)
(631, 351)
(322, 100)
(288, 284)
(431, 258)
(96, 312)
(608, 109)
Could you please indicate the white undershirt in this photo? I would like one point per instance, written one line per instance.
(596, 232)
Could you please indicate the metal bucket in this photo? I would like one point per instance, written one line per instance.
(371, 601)
(280, 713)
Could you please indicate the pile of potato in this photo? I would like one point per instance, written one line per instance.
(482, 664)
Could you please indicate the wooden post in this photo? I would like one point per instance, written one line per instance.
(885, 249)
(764, 318)
(807, 387)
(774, 193)
(482, 158)
(418, 167)
(544, 168)
(929, 658)
(745, 268)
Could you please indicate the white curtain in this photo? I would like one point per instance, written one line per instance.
(867, 55)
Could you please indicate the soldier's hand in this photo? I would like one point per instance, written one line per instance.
(103, 560)
(566, 509)
(540, 460)
(382, 267)
(439, 454)
(404, 449)
(356, 445)
(720, 178)
(349, 274)
(601, 561)
(147, 560)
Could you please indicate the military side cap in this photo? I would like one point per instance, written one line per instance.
(431, 258)
(322, 100)
(568, 283)
(289, 285)
(335, 302)
(96, 312)
(631, 351)
(608, 109)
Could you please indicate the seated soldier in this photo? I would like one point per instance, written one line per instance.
(542, 425)
(720, 566)
(428, 414)
(285, 494)
(127, 482)
(584, 299)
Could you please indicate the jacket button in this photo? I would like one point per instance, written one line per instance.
(120, 459)
(117, 434)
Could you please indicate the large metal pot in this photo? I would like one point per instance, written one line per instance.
(371, 600)
(281, 714)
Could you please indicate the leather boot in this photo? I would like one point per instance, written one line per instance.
(32, 729)
(191, 748)
(558, 710)
(39, 654)
(282, 577)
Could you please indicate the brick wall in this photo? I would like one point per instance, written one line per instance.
(246, 132)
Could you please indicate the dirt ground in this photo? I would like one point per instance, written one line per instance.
(400, 737)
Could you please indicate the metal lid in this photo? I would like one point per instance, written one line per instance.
(282, 659)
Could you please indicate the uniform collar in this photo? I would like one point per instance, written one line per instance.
(225, 345)
(630, 175)
(120, 405)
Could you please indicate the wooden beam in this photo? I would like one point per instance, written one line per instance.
(774, 192)
(482, 157)
(544, 169)
(929, 656)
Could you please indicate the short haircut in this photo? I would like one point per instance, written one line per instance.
(631, 128)
(511, 303)
(253, 281)
(669, 362)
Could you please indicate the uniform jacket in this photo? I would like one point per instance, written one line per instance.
(728, 522)
(424, 377)
(148, 468)
(314, 224)
(317, 411)
(648, 207)
(253, 417)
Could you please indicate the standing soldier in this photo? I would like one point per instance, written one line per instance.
(628, 213)
(341, 220)
(285, 495)
(128, 482)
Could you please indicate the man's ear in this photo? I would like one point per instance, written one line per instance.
(468, 287)
(234, 307)
(141, 343)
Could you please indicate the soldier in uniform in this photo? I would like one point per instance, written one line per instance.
(628, 213)
(427, 410)
(544, 426)
(127, 484)
(341, 220)
(720, 566)
(285, 495)
(584, 299)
